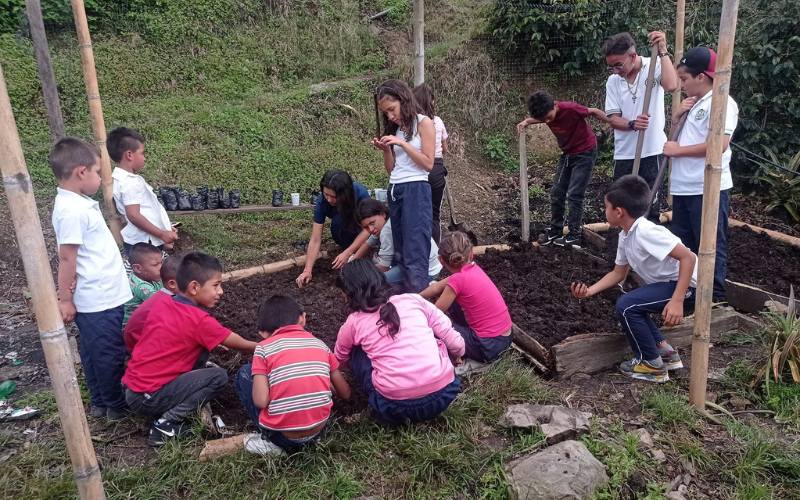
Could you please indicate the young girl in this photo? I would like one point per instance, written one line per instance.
(408, 152)
(484, 321)
(399, 347)
(423, 93)
(374, 218)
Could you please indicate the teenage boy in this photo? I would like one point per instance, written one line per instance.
(696, 72)
(625, 91)
(168, 273)
(145, 280)
(147, 220)
(567, 121)
(88, 255)
(287, 390)
(668, 268)
(159, 379)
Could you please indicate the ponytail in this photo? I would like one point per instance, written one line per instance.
(366, 290)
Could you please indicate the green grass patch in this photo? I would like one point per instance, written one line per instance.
(671, 409)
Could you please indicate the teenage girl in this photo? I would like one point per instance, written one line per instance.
(423, 93)
(399, 347)
(408, 153)
(339, 203)
(374, 218)
(473, 302)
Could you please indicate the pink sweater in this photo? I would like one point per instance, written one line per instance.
(415, 362)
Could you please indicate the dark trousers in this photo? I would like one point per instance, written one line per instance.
(401, 411)
(185, 394)
(411, 215)
(687, 218)
(437, 179)
(483, 349)
(569, 187)
(648, 170)
(103, 355)
(340, 234)
(634, 309)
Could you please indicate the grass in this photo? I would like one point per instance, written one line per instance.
(670, 409)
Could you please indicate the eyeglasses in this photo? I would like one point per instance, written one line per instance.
(618, 67)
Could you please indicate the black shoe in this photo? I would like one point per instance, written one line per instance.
(549, 237)
(569, 241)
(161, 432)
(717, 299)
(115, 414)
(97, 411)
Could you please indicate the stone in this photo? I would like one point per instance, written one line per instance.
(739, 402)
(675, 495)
(687, 479)
(658, 455)
(556, 422)
(688, 466)
(616, 397)
(682, 488)
(565, 471)
(645, 439)
(711, 396)
(776, 307)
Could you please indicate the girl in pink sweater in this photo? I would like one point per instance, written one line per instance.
(399, 347)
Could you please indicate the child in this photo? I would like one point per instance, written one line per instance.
(146, 261)
(473, 302)
(133, 330)
(374, 218)
(567, 121)
(287, 389)
(668, 268)
(696, 72)
(147, 220)
(397, 346)
(159, 379)
(88, 256)
(437, 178)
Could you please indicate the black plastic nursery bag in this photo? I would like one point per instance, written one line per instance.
(277, 198)
(224, 201)
(235, 198)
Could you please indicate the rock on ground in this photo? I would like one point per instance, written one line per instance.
(556, 422)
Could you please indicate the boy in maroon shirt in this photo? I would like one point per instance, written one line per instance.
(567, 121)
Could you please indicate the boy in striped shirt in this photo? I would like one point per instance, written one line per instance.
(287, 390)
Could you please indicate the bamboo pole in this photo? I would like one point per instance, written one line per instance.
(651, 76)
(44, 64)
(419, 42)
(523, 188)
(96, 110)
(52, 333)
(680, 23)
(711, 184)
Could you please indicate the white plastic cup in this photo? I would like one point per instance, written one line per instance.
(295, 199)
(380, 194)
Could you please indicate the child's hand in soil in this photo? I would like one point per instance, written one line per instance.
(673, 313)
(380, 144)
(304, 278)
(341, 259)
(580, 290)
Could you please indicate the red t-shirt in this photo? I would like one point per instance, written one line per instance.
(174, 335)
(572, 132)
(135, 326)
(298, 367)
(484, 307)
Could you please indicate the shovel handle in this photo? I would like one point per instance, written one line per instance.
(646, 106)
(377, 116)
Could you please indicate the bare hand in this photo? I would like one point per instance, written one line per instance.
(392, 140)
(304, 278)
(169, 236)
(685, 106)
(341, 259)
(67, 309)
(580, 290)
(673, 313)
(73, 286)
(658, 37)
(521, 126)
(642, 121)
(671, 149)
(380, 144)
(458, 362)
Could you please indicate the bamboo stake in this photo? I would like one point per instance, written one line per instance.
(651, 76)
(96, 110)
(419, 42)
(680, 22)
(711, 184)
(44, 64)
(523, 187)
(52, 333)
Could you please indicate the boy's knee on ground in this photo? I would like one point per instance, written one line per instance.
(218, 379)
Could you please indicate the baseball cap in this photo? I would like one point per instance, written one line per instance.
(702, 59)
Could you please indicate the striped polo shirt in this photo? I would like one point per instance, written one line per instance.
(298, 367)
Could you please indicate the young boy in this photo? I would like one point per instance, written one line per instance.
(88, 255)
(147, 220)
(135, 327)
(696, 72)
(567, 121)
(287, 389)
(668, 268)
(159, 379)
(146, 261)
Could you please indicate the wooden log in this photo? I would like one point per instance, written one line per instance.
(480, 250)
(775, 235)
(44, 65)
(749, 298)
(242, 210)
(418, 22)
(603, 227)
(220, 447)
(594, 238)
(523, 188)
(541, 368)
(274, 267)
(530, 345)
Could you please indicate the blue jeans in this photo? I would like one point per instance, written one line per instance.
(411, 213)
(569, 185)
(406, 410)
(634, 309)
(393, 275)
(340, 235)
(483, 349)
(103, 355)
(687, 217)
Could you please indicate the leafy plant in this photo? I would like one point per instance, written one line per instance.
(784, 338)
(496, 149)
(784, 188)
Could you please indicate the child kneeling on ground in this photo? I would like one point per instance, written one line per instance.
(287, 389)
(472, 301)
(399, 347)
(668, 268)
(135, 325)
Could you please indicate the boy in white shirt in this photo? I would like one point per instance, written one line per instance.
(668, 268)
(89, 256)
(696, 72)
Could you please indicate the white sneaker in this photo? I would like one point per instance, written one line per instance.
(254, 443)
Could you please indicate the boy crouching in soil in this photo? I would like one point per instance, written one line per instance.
(668, 268)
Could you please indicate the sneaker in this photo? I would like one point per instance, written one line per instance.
(211, 364)
(97, 411)
(471, 366)
(161, 432)
(255, 443)
(115, 414)
(651, 371)
(569, 241)
(671, 358)
(549, 237)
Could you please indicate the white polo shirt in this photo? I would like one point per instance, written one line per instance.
(101, 280)
(688, 174)
(646, 248)
(620, 99)
(132, 189)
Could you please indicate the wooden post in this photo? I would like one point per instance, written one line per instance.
(523, 188)
(419, 42)
(680, 22)
(44, 64)
(651, 76)
(52, 333)
(96, 110)
(711, 183)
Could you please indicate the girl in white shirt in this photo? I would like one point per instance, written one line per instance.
(423, 93)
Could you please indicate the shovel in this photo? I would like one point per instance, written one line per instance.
(377, 116)
(458, 226)
(676, 132)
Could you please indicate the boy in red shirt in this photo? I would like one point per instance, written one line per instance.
(287, 389)
(160, 378)
(567, 121)
(135, 326)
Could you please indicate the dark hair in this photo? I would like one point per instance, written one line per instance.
(630, 192)
(141, 250)
(455, 248)
(169, 269)
(423, 93)
(694, 71)
(278, 311)
(409, 108)
(540, 103)
(370, 207)
(122, 139)
(70, 153)
(617, 44)
(366, 290)
(197, 266)
(341, 183)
